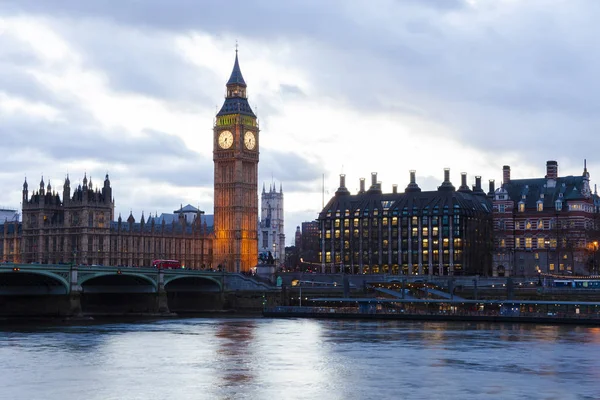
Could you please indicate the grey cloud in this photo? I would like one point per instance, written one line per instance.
(288, 166)
(505, 76)
(156, 155)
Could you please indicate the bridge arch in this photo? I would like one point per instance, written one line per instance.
(193, 283)
(119, 282)
(37, 282)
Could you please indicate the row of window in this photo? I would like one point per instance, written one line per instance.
(541, 243)
(540, 224)
(404, 221)
(539, 205)
(386, 204)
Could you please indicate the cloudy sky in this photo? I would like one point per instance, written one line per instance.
(131, 88)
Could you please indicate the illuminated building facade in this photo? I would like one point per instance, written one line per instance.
(442, 232)
(235, 154)
(546, 225)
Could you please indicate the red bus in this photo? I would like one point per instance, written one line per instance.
(166, 264)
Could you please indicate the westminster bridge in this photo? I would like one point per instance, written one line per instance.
(58, 289)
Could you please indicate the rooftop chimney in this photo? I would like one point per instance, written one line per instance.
(492, 188)
(362, 185)
(551, 170)
(412, 186)
(463, 183)
(394, 188)
(446, 185)
(477, 188)
(506, 174)
(373, 178)
(342, 189)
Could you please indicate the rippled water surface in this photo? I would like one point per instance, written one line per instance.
(299, 359)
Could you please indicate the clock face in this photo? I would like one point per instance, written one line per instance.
(225, 139)
(249, 140)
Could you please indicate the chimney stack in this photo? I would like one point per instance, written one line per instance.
(492, 187)
(394, 188)
(506, 174)
(342, 189)
(446, 185)
(362, 185)
(463, 183)
(477, 187)
(373, 179)
(551, 170)
(412, 186)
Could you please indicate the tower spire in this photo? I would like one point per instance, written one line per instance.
(236, 77)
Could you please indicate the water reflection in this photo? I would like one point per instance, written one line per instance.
(235, 350)
(299, 359)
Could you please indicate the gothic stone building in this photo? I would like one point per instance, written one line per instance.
(546, 225)
(79, 228)
(442, 232)
(235, 155)
(271, 228)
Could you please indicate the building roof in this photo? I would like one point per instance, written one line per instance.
(187, 209)
(236, 105)
(531, 191)
(236, 77)
(169, 218)
(412, 203)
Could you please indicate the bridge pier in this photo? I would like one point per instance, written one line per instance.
(74, 293)
(75, 304)
(162, 302)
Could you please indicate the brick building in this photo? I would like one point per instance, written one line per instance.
(546, 225)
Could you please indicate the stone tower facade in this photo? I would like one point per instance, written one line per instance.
(272, 233)
(235, 156)
(74, 229)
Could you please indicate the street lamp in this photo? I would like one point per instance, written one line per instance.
(595, 243)
(547, 243)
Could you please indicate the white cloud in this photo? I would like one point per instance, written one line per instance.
(338, 87)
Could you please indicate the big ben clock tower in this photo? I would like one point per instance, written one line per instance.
(235, 153)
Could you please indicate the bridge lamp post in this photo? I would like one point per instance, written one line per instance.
(547, 244)
(595, 243)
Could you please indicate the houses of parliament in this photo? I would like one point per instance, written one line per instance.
(79, 226)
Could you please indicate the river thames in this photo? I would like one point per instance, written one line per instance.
(239, 358)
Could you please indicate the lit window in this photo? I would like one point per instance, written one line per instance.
(528, 242)
(540, 224)
(521, 207)
(528, 225)
(540, 206)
